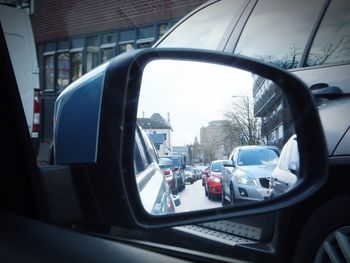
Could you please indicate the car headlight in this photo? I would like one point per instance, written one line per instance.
(215, 179)
(243, 179)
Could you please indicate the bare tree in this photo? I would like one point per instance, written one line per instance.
(241, 118)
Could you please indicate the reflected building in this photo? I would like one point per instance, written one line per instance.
(215, 144)
(271, 106)
(159, 131)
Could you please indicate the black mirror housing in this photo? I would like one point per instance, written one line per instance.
(106, 177)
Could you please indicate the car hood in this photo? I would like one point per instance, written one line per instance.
(256, 171)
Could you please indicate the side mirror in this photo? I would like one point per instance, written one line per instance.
(96, 119)
(177, 200)
(229, 164)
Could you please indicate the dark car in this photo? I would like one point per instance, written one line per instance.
(311, 40)
(190, 175)
(179, 171)
(212, 186)
(166, 165)
(248, 176)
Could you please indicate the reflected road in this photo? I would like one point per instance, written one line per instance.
(193, 198)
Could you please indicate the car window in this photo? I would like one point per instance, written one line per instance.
(257, 157)
(200, 31)
(217, 167)
(277, 31)
(332, 41)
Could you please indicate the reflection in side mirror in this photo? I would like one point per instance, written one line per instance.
(207, 113)
(177, 200)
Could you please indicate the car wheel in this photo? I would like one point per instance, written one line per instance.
(224, 202)
(192, 181)
(210, 196)
(326, 235)
(232, 195)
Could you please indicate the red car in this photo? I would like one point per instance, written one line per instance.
(213, 183)
(205, 175)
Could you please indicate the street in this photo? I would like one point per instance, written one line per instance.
(193, 198)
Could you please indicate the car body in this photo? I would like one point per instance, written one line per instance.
(20, 40)
(197, 173)
(205, 175)
(285, 175)
(179, 171)
(212, 186)
(316, 41)
(190, 175)
(166, 165)
(248, 178)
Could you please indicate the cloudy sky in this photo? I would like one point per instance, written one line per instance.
(194, 93)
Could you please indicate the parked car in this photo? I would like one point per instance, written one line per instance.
(197, 174)
(166, 165)
(212, 187)
(179, 171)
(19, 37)
(247, 177)
(314, 47)
(285, 175)
(190, 175)
(205, 175)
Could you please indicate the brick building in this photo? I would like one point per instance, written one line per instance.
(74, 36)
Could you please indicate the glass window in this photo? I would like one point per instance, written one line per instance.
(107, 54)
(162, 29)
(92, 57)
(63, 70)
(77, 65)
(49, 72)
(200, 31)
(332, 42)
(124, 47)
(278, 30)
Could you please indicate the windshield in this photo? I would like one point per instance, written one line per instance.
(257, 157)
(217, 167)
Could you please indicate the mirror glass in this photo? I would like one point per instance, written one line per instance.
(222, 137)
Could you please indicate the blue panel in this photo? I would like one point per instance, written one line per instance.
(77, 112)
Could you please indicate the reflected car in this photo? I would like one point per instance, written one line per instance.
(166, 165)
(205, 175)
(213, 184)
(179, 171)
(190, 175)
(285, 175)
(247, 177)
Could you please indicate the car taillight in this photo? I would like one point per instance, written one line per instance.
(166, 172)
(36, 117)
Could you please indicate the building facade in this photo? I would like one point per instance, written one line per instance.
(159, 131)
(75, 36)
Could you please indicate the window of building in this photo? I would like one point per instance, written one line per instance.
(93, 53)
(77, 65)
(108, 46)
(49, 68)
(270, 33)
(332, 42)
(126, 46)
(162, 29)
(126, 40)
(63, 70)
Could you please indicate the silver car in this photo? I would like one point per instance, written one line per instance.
(247, 178)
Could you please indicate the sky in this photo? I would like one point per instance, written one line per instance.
(194, 93)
